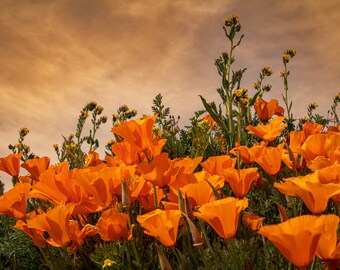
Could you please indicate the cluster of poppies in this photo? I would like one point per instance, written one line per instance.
(52, 203)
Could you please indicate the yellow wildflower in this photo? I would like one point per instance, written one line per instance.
(108, 262)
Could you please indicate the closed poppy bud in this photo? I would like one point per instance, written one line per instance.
(282, 211)
(163, 261)
(188, 208)
(181, 201)
(125, 196)
(196, 235)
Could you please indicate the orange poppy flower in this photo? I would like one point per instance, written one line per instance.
(270, 131)
(13, 202)
(297, 238)
(333, 157)
(222, 215)
(310, 128)
(161, 224)
(139, 133)
(328, 246)
(56, 223)
(37, 236)
(324, 146)
(127, 152)
(112, 225)
(57, 187)
(240, 180)
(252, 221)
(36, 166)
(217, 164)
(161, 171)
(248, 155)
(77, 236)
(198, 193)
(269, 158)
(296, 139)
(314, 194)
(113, 161)
(265, 110)
(95, 190)
(212, 123)
(60, 186)
(11, 164)
(334, 128)
(92, 159)
(243, 152)
(330, 174)
(187, 165)
(146, 196)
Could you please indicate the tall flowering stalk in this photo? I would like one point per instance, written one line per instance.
(288, 54)
(231, 80)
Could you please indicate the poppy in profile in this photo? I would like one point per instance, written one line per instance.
(162, 225)
(240, 180)
(223, 215)
(297, 238)
(199, 193)
(328, 247)
(270, 131)
(13, 202)
(269, 158)
(252, 221)
(314, 194)
(11, 164)
(217, 164)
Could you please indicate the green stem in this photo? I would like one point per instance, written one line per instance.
(231, 248)
(127, 251)
(313, 264)
(205, 235)
(176, 255)
(229, 94)
(239, 124)
(135, 253)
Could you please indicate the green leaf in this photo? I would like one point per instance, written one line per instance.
(212, 110)
(252, 101)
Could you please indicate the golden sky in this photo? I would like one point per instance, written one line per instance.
(58, 55)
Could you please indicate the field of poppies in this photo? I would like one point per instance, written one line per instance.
(245, 186)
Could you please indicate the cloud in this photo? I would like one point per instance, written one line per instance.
(57, 56)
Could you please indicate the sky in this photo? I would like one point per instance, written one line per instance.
(56, 56)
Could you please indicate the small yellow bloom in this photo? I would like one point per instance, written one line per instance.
(291, 52)
(267, 71)
(23, 132)
(108, 262)
(84, 114)
(285, 57)
(99, 109)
